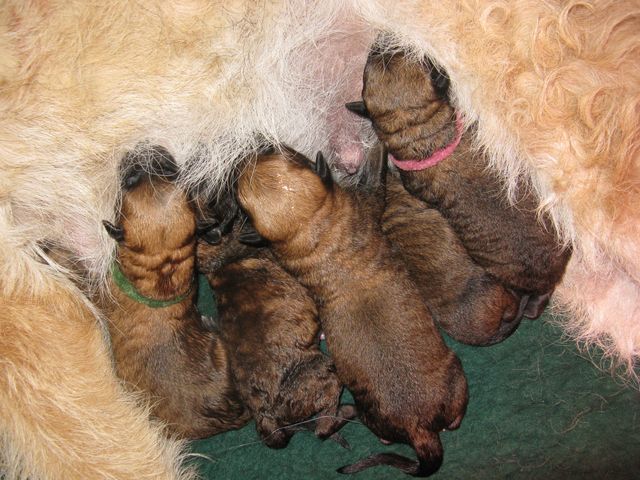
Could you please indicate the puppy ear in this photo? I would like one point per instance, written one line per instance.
(250, 236)
(231, 215)
(374, 170)
(147, 161)
(117, 233)
(359, 108)
(132, 179)
(162, 163)
(439, 80)
(131, 171)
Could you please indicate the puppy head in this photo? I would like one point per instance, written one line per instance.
(408, 105)
(426, 441)
(155, 233)
(216, 251)
(280, 192)
(487, 313)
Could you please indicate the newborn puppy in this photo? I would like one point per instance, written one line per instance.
(269, 326)
(465, 301)
(408, 106)
(159, 344)
(407, 385)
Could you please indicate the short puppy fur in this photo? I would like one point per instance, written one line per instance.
(408, 105)
(470, 305)
(407, 385)
(269, 326)
(159, 343)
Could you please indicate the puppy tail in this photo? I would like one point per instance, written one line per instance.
(428, 448)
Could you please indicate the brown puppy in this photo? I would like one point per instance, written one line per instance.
(160, 346)
(269, 326)
(465, 301)
(408, 106)
(406, 383)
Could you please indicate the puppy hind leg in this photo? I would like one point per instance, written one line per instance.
(63, 413)
(428, 447)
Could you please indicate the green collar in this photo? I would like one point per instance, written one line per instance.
(130, 291)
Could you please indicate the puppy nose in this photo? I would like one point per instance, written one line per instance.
(510, 319)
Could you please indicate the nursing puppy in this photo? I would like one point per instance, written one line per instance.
(269, 326)
(160, 346)
(407, 385)
(408, 105)
(464, 300)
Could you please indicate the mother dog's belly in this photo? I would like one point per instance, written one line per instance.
(209, 82)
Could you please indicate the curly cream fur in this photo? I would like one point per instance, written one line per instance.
(554, 87)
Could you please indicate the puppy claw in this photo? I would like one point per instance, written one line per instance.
(117, 233)
(209, 323)
(358, 108)
(322, 169)
(440, 81)
(340, 440)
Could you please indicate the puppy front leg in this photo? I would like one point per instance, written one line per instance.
(328, 423)
(63, 413)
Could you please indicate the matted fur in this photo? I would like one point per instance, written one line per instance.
(554, 87)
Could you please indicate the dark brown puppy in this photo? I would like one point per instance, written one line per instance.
(465, 301)
(269, 326)
(159, 343)
(407, 385)
(408, 106)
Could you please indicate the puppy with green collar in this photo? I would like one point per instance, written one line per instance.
(160, 346)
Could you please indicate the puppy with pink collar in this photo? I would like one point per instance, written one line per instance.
(408, 105)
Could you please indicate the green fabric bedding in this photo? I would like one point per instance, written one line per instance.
(538, 409)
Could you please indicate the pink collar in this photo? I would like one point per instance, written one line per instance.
(436, 157)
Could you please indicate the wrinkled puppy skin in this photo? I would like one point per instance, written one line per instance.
(269, 326)
(407, 385)
(408, 106)
(470, 305)
(164, 351)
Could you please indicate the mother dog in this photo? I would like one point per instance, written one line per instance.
(554, 87)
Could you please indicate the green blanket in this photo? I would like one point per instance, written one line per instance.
(538, 409)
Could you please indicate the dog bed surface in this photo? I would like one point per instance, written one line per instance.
(538, 409)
